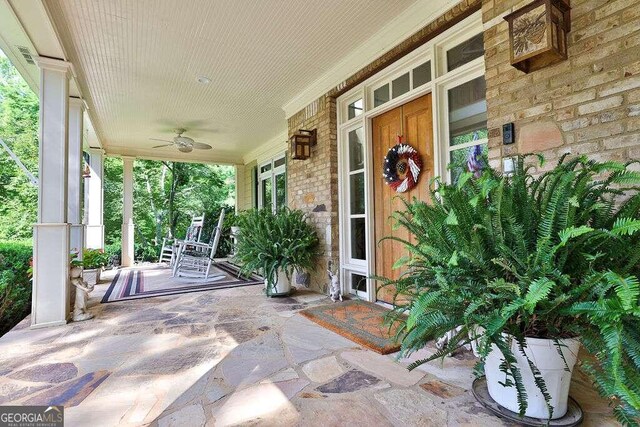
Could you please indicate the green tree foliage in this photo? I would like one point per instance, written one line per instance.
(166, 196)
(19, 130)
(15, 283)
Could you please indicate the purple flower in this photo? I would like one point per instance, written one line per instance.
(474, 161)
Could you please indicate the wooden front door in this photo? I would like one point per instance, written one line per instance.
(414, 121)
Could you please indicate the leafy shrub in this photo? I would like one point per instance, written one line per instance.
(146, 252)
(226, 245)
(113, 251)
(94, 258)
(15, 283)
(550, 256)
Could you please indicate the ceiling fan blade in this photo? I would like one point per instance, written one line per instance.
(163, 145)
(201, 146)
(162, 140)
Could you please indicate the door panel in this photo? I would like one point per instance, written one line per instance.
(414, 121)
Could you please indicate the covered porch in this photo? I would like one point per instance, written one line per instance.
(247, 79)
(232, 357)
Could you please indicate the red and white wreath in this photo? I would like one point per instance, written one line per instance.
(401, 167)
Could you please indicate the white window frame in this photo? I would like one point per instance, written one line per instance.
(271, 175)
(344, 191)
(441, 81)
(443, 88)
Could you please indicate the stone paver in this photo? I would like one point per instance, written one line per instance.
(322, 370)
(382, 367)
(190, 416)
(349, 382)
(47, 373)
(412, 408)
(235, 357)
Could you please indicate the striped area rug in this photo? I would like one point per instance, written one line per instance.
(146, 282)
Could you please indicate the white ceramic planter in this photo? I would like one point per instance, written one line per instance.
(282, 287)
(544, 354)
(92, 276)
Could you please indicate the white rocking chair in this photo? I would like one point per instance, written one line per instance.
(170, 245)
(195, 259)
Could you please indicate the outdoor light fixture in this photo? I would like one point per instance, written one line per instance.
(301, 143)
(538, 34)
(204, 80)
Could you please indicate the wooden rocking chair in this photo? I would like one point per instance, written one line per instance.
(170, 245)
(196, 259)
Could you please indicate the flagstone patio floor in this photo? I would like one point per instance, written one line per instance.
(234, 357)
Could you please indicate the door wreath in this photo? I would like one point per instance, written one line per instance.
(401, 167)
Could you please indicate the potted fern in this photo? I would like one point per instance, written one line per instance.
(275, 245)
(530, 267)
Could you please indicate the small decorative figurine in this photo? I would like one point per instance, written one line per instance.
(334, 287)
(82, 295)
(443, 341)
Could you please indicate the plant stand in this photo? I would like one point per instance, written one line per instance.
(573, 417)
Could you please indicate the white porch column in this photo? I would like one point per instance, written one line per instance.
(51, 302)
(127, 212)
(76, 109)
(240, 187)
(94, 237)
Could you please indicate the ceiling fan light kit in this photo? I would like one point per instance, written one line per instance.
(184, 144)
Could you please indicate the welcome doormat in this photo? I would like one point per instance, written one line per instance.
(136, 283)
(361, 322)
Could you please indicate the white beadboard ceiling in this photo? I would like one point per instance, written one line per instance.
(138, 61)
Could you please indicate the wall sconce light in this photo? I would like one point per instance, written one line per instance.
(301, 143)
(86, 173)
(538, 34)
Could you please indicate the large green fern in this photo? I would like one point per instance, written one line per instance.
(269, 243)
(553, 256)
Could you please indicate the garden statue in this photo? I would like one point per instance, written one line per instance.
(443, 341)
(82, 295)
(334, 287)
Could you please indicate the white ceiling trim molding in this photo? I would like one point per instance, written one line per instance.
(26, 23)
(268, 149)
(415, 17)
(12, 35)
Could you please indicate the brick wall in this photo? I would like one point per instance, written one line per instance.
(312, 184)
(588, 104)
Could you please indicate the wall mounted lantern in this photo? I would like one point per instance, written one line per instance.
(301, 143)
(538, 34)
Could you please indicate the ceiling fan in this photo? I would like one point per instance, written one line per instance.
(183, 143)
